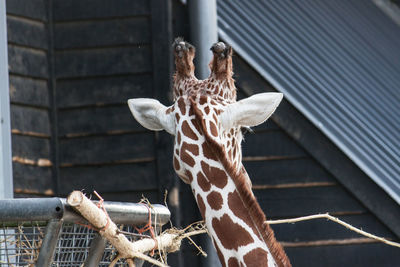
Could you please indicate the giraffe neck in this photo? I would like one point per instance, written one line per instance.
(232, 215)
(233, 230)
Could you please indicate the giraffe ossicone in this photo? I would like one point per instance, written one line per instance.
(206, 120)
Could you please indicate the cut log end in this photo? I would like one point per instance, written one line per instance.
(75, 198)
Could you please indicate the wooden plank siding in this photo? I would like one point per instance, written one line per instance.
(73, 65)
(104, 56)
(29, 95)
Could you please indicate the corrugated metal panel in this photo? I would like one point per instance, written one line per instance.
(338, 62)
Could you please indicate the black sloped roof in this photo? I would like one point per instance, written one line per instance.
(337, 62)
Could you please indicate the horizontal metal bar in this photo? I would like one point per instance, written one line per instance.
(31, 209)
(45, 209)
(127, 213)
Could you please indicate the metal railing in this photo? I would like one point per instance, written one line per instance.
(47, 232)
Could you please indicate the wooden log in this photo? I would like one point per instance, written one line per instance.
(168, 242)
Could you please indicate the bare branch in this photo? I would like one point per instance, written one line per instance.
(336, 220)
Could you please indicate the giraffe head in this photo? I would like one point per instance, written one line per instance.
(192, 117)
(206, 120)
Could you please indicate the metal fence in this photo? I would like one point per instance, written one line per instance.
(47, 232)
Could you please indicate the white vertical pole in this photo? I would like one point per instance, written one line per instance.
(6, 182)
(203, 32)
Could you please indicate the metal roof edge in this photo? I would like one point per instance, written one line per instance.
(309, 116)
(390, 9)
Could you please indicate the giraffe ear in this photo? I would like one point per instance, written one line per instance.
(250, 111)
(152, 115)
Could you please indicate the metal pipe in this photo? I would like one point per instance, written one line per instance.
(45, 209)
(96, 251)
(203, 32)
(49, 244)
(31, 209)
(126, 213)
(6, 182)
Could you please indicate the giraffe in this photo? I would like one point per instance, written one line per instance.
(206, 120)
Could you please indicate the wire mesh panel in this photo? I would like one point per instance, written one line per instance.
(73, 245)
(20, 243)
(28, 225)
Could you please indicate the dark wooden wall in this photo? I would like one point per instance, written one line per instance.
(28, 56)
(73, 65)
(103, 56)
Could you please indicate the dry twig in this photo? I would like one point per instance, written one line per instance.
(336, 220)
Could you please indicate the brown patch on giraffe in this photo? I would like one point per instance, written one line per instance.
(207, 110)
(177, 117)
(196, 125)
(220, 255)
(188, 132)
(176, 164)
(233, 262)
(185, 156)
(169, 110)
(189, 176)
(202, 100)
(191, 113)
(179, 137)
(182, 106)
(208, 153)
(215, 201)
(194, 149)
(202, 206)
(203, 182)
(215, 175)
(224, 228)
(213, 129)
(256, 257)
(238, 208)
